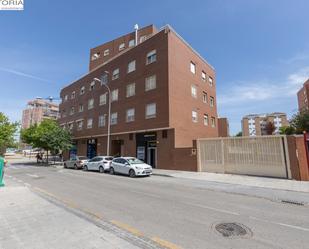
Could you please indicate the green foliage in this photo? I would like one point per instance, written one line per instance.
(287, 130)
(239, 134)
(7, 131)
(300, 122)
(48, 135)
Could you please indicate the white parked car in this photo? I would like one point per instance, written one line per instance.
(130, 166)
(77, 162)
(99, 163)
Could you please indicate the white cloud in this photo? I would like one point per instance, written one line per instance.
(246, 92)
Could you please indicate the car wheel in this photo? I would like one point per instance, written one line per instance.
(65, 166)
(75, 166)
(112, 171)
(85, 168)
(101, 169)
(132, 173)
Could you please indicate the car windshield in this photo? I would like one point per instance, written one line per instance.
(108, 158)
(82, 158)
(134, 161)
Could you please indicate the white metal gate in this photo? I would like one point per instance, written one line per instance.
(261, 156)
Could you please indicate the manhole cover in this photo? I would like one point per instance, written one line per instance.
(230, 230)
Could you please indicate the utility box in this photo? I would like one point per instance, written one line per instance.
(1, 171)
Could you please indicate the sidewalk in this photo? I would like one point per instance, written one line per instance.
(252, 181)
(30, 222)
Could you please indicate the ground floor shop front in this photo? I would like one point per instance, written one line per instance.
(156, 148)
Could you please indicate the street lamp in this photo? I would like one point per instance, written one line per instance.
(109, 111)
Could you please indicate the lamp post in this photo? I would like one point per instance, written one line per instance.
(109, 112)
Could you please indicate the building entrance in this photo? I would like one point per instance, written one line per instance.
(146, 148)
(91, 148)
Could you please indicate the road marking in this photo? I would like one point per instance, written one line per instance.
(212, 208)
(280, 224)
(27, 185)
(33, 175)
(127, 227)
(143, 193)
(165, 244)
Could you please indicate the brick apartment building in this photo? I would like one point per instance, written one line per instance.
(255, 124)
(223, 127)
(163, 97)
(303, 97)
(37, 110)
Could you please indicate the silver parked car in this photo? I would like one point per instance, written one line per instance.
(130, 166)
(76, 162)
(99, 163)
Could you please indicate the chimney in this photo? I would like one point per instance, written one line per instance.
(136, 30)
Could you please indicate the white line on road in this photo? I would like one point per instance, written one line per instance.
(212, 208)
(32, 175)
(280, 224)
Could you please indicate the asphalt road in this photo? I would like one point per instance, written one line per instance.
(181, 214)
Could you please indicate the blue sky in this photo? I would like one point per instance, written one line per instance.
(259, 48)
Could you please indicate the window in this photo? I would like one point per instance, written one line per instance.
(122, 46)
(115, 74)
(81, 108)
(82, 90)
(104, 79)
(70, 126)
(150, 83)
(205, 119)
(130, 90)
(115, 95)
(106, 52)
(103, 99)
(114, 118)
(212, 101)
(194, 91)
(92, 84)
(90, 104)
(151, 57)
(130, 115)
(213, 122)
(210, 80)
(72, 110)
(73, 95)
(89, 123)
(131, 43)
(101, 121)
(131, 66)
(142, 38)
(65, 97)
(194, 116)
(203, 76)
(80, 124)
(64, 113)
(151, 110)
(192, 67)
(95, 56)
(205, 97)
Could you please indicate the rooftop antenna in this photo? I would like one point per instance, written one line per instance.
(136, 30)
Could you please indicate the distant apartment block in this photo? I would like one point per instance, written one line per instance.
(163, 97)
(256, 124)
(37, 110)
(223, 127)
(303, 97)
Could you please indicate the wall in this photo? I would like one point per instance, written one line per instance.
(181, 103)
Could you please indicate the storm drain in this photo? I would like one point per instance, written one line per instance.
(231, 230)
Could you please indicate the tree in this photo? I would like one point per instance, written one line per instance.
(239, 134)
(270, 128)
(287, 130)
(48, 135)
(300, 121)
(7, 131)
